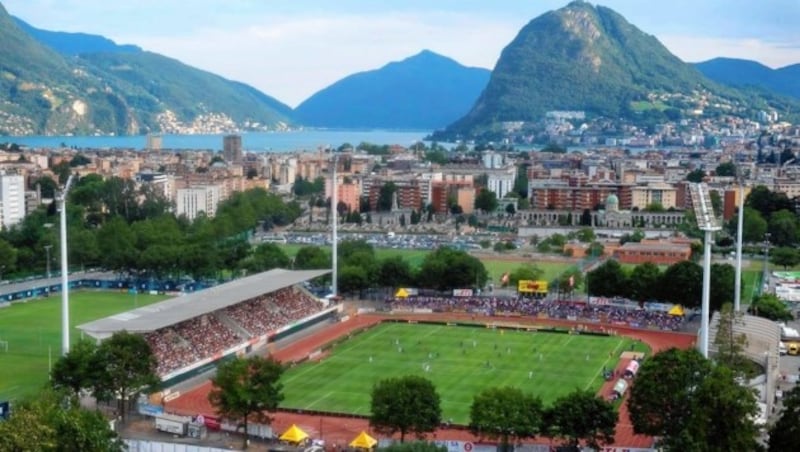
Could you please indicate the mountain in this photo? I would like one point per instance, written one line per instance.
(743, 73)
(425, 91)
(589, 58)
(122, 90)
(73, 43)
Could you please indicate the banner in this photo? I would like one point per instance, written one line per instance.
(531, 286)
(462, 292)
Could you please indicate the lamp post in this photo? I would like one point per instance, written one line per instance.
(47, 250)
(737, 294)
(765, 275)
(335, 221)
(61, 200)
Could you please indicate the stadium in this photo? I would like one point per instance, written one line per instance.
(334, 351)
(191, 334)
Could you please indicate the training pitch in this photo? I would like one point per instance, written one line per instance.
(460, 361)
(33, 332)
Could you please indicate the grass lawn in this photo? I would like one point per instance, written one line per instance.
(33, 331)
(559, 363)
(496, 268)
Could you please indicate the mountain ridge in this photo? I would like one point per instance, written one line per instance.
(399, 94)
(590, 58)
(123, 91)
(739, 72)
(69, 43)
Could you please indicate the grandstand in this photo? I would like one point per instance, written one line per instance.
(192, 333)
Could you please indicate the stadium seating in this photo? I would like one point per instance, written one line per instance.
(202, 337)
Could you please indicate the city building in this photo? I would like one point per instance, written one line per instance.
(191, 201)
(232, 148)
(12, 199)
(657, 253)
(662, 194)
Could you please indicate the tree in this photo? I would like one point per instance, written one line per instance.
(129, 368)
(352, 278)
(407, 404)
(644, 281)
(754, 226)
(784, 435)
(505, 413)
(767, 202)
(682, 283)
(510, 209)
(528, 272)
(727, 169)
(785, 257)
(679, 395)
(414, 446)
(386, 196)
(521, 181)
(783, 228)
(769, 306)
(696, 176)
(735, 430)
(266, 257)
(731, 346)
(48, 423)
(582, 416)
(607, 280)
(585, 235)
(486, 201)
(76, 370)
(247, 388)
(311, 258)
(395, 272)
(446, 269)
(586, 217)
(661, 401)
(723, 282)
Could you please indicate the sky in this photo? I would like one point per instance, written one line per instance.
(290, 49)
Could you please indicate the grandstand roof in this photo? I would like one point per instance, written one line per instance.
(175, 310)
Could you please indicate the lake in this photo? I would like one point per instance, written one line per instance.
(303, 140)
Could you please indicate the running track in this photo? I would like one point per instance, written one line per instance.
(341, 430)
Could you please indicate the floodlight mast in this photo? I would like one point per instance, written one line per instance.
(737, 293)
(707, 222)
(61, 203)
(335, 221)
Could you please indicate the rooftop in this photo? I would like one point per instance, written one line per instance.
(175, 310)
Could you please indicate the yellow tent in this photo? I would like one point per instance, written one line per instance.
(364, 441)
(294, 434)
(676, 310)
(401, 293)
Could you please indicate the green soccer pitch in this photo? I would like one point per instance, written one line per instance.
(33, 333)
(461, 361)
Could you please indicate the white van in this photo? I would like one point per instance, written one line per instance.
(781, 348)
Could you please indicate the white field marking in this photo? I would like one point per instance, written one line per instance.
(311, 368)
(604, 364)
(308, 407)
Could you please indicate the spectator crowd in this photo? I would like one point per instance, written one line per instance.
(636, 317)
(190, 341)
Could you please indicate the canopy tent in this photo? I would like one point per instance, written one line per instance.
(620, 387)
(676, 310)
(631, 369)
(401, 293)
(294, 434)
(364, 441)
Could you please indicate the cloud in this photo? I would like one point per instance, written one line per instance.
(291, 57)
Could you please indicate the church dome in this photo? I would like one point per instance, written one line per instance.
(612, 203)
